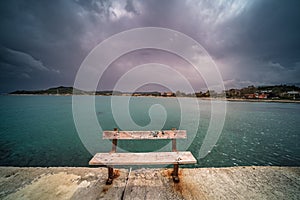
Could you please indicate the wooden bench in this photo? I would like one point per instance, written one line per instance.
(149, 158)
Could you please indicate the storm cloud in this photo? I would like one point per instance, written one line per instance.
(43, 43)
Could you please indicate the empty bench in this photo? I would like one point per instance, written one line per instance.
(112, 158)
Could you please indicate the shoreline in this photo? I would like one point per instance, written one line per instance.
(264, 100)
(249, 182)
(201, 98)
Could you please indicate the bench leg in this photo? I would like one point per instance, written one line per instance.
(110, 176)
(175, 173)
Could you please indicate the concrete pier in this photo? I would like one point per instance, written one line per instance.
(201, 183)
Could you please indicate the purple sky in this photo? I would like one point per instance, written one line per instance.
(42, 43)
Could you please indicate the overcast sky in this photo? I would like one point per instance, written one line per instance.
(43, 43)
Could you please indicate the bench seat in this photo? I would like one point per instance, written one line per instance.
(149, 158)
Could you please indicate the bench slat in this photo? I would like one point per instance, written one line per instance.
(149, 158)
(142, 135)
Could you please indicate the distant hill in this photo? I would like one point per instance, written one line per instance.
(53, 91)
(61, 90)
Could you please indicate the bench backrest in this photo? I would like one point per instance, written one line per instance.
(144, 135)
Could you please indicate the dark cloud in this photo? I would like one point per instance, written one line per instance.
(42, 43)
(262, 45)
(47, 32)
(265, 30)
(20, 59)
(130, 7)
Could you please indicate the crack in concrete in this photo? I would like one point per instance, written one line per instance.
(126, 183)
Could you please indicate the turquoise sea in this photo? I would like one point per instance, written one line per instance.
(40, 131)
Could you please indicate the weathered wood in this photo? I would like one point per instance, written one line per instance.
(149, 158)
(131, 135)
(110, 176)
(110, 168)
(174, 148)
(114, 146)
(175, 173)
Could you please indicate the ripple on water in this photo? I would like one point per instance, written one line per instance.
(253, 134)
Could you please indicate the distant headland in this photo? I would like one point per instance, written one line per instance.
(250, 93)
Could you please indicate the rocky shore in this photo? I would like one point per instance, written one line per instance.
(201, 183)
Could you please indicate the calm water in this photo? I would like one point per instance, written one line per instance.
(40, 131)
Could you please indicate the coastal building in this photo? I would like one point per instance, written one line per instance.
(293, 94)
(263, 96)
(250, 96)
(167, 94)
(266, 91)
